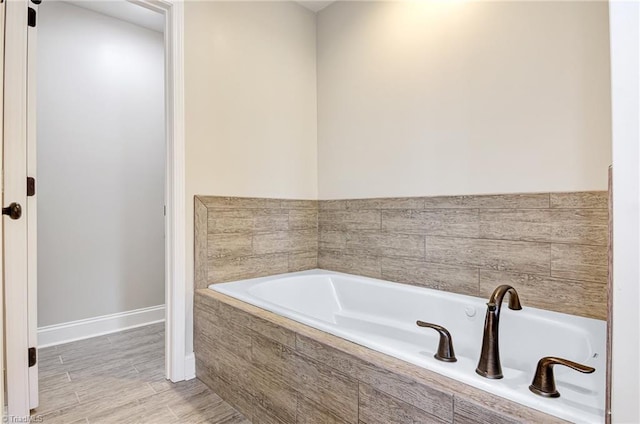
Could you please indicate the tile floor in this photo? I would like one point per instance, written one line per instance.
(119, 378)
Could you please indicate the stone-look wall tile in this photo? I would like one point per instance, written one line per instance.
(452, 251)
(200, 243)
(208, 326)
(465, 412)
(500, 255)
(322, 384)
(325, 205)
(271, 220)
(429, 399)
(241, 400)
(583, 200)
(332, 240)
(434, 222)
(231, 221)
(577, 226)
(368, 266)
(298, 204)
(303, 219)
(229, 244)
(238, 268)
(247, 220)
(386, 244)
(504, 201)
(302, 261)
(377, 408)
(574, 297)
(285, 241)
(262, 416)
(386, 203)
(215, 202)
(513, 256)
(268, 389)
(588, 263)
(310, 413)
(236, 319)
(434, 276)
(349, 220)
(580, 226)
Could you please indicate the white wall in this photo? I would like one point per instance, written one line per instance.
(100, 164)
(625, 73)
(250, 71)
(461, 97)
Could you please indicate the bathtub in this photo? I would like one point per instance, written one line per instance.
(382, 316)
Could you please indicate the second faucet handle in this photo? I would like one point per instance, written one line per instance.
(544, 383)
(445, 351)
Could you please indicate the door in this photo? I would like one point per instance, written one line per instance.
(31, 210)
(16, 291)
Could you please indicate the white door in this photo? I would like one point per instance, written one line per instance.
(31, 210)
(20, 379)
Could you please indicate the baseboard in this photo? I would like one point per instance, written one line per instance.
(190, 366)
(83, 329)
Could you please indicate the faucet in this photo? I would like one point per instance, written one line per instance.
(489, 363)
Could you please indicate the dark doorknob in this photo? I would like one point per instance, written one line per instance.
(14, 211)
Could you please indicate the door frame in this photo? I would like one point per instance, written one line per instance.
(2, 334)
(624, 21)
(178, 363)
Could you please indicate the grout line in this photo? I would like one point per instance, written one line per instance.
(77, 397)
(173, 413)
(154, 390)
(68, 375)
(60, 359)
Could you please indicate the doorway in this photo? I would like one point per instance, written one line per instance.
(21, 74)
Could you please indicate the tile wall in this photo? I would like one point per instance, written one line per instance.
(551, 246)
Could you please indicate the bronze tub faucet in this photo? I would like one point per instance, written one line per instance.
(489, 364)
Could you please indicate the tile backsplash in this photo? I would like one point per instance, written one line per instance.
(552, 247)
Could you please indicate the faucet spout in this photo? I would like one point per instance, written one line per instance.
(489, 365)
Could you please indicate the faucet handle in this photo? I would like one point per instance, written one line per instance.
(445, 351)
(544, 383)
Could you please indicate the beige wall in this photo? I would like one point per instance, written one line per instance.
(250, 72)
(443, 98)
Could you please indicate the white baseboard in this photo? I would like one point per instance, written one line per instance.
(190, 366)
(52, 335)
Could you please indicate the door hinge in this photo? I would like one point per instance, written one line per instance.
(31, 186)
(33, 356)
(31, 17)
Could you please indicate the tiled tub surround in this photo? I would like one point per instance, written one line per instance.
(275, 370)
(382, 316)
(551, 246)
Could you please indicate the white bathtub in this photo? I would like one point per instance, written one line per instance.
(382, 316)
